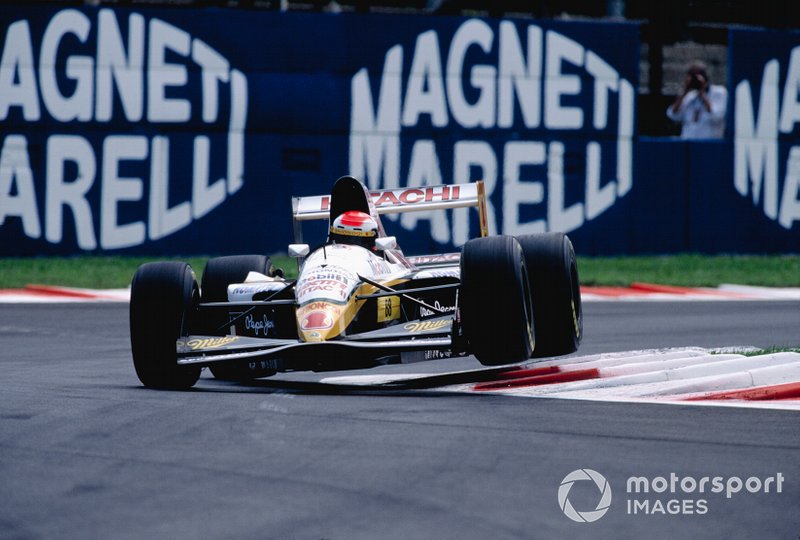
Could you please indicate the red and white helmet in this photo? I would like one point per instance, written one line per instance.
(354, 228)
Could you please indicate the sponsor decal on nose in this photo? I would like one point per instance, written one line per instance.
(317, 320)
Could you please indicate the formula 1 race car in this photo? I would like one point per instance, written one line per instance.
(358, 301)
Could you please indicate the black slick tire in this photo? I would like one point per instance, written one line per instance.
(218, 274)
(164, 296)
(222, 271)
(494, 299)
(555, 287)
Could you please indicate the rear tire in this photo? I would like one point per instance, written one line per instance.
(164, 296)
(222, 271)
(496, 311)
(555, 287)
(218, 274)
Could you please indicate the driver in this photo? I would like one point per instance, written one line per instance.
(354, 228)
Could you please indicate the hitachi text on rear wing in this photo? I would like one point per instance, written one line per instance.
(394, 201)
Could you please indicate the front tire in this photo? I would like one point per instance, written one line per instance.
(495, 301)
(555, 287)
(164, 297)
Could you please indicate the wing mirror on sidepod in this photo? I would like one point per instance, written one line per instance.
(386, 242)
(298, 250)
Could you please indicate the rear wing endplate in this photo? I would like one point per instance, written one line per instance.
(395, 201)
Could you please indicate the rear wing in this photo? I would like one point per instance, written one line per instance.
(395, 201)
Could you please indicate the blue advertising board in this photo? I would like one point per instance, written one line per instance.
(765, 79)
(166, 131)
(179, 132)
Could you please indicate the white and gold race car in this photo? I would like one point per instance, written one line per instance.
(358, 301)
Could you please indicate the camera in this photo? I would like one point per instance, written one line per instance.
(696, 82)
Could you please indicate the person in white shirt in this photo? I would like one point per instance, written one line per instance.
(700, 107)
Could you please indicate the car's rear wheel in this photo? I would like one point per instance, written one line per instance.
(218, 274)
(164, 297)
(222, 271)
(495, 300)
(555, 287)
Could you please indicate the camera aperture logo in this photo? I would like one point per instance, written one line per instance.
(602, 505)
(670, 494)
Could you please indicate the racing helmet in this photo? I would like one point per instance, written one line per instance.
(354, 228)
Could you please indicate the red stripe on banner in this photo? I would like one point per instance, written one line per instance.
(567, 376)
(776, 391)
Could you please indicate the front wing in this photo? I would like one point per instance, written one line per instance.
(419, 335)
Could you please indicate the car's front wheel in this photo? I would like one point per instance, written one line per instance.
(164, 297)
(495, 300)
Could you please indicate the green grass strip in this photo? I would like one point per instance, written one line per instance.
(682, 270)
(692, 270)
(770, 350)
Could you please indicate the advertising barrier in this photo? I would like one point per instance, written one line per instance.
(765, 80)
(164, 131)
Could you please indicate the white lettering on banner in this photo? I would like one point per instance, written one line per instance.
(78, 68)
(15, 169)
(426, 71)
(482, 77)
(162, 74)
(559, 217)
(114, 66)
(131, 73)
(59, 192)
(790, 202)
(17, 62)
(163, 219)
(518, 78)
(756, 142)
(377, 152)
(516, 192)
(116, 189)
(205, 197)
(535, 74)
(561, 49)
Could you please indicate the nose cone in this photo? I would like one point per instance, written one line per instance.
(319, 321)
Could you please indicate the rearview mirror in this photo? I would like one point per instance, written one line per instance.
(387, 242)
(298, 250)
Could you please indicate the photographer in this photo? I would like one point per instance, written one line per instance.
(700, 107)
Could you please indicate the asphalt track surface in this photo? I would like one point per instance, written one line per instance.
(86, 452)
